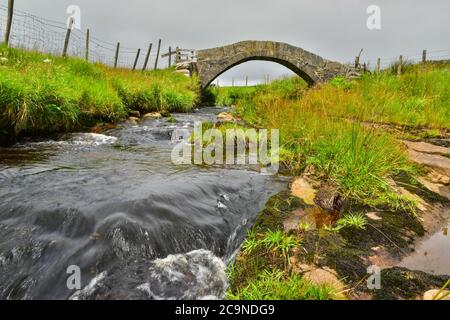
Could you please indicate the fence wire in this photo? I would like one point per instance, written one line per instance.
(35, 33)
(31, 32)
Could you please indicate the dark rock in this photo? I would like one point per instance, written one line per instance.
(329, 199)
(165, 114)
(134, 113)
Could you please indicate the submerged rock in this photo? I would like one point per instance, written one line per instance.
(134, 113)
(165, 114)
(133, 121)
(226, 117)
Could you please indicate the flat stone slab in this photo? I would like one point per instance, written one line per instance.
(424, 147)
(432, 160)
(440, 189)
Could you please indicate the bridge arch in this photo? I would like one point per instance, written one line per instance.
(211, 63)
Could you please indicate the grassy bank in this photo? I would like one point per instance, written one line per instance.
(325, 132)
(42, 94)
(324, 129)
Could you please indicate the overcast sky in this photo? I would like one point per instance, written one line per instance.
(333, 29)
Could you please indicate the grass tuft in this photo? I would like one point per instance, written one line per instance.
(279, 285)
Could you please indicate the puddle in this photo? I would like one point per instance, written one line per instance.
(431, 256)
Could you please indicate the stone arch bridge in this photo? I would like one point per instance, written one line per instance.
(211, 63)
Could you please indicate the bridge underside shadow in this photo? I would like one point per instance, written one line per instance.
(301, 73)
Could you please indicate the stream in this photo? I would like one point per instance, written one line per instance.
(114, 205)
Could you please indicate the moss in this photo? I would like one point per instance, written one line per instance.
(401, 284)
(348, 250)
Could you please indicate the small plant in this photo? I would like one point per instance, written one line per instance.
(304, 226)
(358, 221)
(278, 242)
(251, 243)
(172, 120)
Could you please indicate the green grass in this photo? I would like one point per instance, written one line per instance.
(279, 285)
(229, 96)
(416, 99)
(41, 93)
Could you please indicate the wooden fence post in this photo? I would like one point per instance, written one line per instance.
(232, 82)
(67, 39)
(358, 58)
(246, 81)
(157, 54)
(9, 21)
(170, 56)
(147, 57)
(87, 45)
(177, 55)
(116, 57)
(137, 59)
(424, 60)
(400, 66)
(378, 65)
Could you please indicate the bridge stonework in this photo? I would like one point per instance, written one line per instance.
(211, 63)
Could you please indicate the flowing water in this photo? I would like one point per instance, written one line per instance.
(137, 226)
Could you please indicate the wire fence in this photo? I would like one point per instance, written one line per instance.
(437, 55)
(414, 57)
(35, 33)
